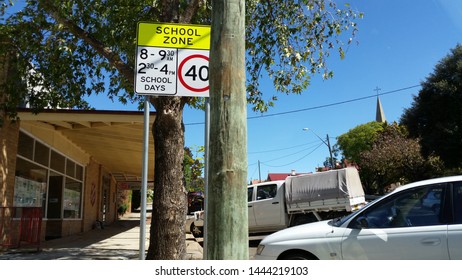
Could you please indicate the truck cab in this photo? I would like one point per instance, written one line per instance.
(266, 206)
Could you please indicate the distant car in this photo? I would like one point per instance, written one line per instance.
(422, 220)
(195, 201)
(195, 224)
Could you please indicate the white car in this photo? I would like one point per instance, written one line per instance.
(399, 225)
(189, 224)
(195, 224)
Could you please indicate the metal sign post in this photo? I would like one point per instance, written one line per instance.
(206, 172)
(144, 178)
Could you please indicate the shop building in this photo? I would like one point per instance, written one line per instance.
(75, 166)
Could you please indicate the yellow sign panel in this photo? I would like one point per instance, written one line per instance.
(171, 35)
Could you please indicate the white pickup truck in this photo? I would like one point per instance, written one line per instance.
(301, 199)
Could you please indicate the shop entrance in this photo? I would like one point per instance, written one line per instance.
(55, 193)
(54, 206)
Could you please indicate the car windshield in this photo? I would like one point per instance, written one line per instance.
(340, 220)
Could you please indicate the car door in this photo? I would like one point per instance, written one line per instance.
(400, 227)
(268, 207)
(250, 199)
(455, 229)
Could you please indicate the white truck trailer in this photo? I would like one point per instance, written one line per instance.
(301, 199)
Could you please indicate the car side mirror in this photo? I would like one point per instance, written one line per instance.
(362, 222)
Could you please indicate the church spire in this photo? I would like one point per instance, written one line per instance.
(379, 114)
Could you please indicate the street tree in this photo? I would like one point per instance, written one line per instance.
(357, 140)
(434, 116)
(395, 159)
(68, 50)
(193, 168)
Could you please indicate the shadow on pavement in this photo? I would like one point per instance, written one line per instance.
(119, 240)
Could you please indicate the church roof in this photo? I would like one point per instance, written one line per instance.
(379, 115)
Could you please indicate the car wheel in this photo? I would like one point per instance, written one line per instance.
(197, 232)
(297, 256)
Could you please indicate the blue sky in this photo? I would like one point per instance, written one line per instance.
(399, 43)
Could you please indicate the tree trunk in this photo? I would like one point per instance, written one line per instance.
(167, 237)
(167, 233)
(227, 218)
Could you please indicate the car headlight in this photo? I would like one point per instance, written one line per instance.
(260, 249)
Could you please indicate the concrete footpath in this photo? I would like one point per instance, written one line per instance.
(118, 241)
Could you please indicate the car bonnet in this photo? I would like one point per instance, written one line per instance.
(312, 230)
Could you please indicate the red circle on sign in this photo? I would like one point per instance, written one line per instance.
(180, 74)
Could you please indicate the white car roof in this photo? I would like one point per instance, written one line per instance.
(430, 182)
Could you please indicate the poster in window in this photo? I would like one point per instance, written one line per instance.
(28, 193)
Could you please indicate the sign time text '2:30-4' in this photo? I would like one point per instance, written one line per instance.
(172, 59)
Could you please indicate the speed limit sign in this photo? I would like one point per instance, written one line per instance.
(193, 72)
(172, 59)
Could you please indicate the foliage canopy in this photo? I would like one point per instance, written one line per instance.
(394, 158)
(192, 168)
(434, 116)
(358, 140)
(71, 49)
(386, 156)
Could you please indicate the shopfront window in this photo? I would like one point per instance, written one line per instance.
(57, 162)
(70, 168)
(42, 154)
(30, 184)
(79, 172)
(72, 198)
(25, 146)
(45, 178)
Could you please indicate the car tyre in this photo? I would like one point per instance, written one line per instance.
(297, 256)
(196, 231)
(304, 219)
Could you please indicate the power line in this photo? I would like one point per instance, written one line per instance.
(321, 106)
(331, 104)
(295, 153)
(311, 148)
(281, 149)
(292, 161)
(288, 155)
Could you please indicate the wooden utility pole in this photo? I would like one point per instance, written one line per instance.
(226, 213)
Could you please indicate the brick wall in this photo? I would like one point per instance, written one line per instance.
(70, 227)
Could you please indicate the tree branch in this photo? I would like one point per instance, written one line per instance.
(169, 10)
(113, 58)
(189, 12)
